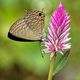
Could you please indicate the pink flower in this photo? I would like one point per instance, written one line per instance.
(58, 32)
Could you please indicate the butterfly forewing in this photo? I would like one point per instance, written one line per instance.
(30, 27)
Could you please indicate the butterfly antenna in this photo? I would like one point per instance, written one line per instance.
(42, 9)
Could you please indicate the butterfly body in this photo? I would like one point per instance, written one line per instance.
(28, 28)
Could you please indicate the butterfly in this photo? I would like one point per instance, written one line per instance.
(28, 28)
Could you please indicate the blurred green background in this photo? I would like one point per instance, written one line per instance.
(23, 60)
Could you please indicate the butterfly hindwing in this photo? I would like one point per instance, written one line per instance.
(29, 27)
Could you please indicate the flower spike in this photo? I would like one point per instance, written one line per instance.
(58, 32)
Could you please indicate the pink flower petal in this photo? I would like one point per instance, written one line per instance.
(59, 30)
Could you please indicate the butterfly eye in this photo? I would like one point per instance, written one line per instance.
(40, 14)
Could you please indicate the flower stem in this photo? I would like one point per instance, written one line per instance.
(50, 76)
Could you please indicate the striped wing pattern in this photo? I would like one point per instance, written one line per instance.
(30, 27)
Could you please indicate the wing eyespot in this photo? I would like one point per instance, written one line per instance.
(40, 14)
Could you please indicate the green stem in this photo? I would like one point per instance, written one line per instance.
(50, 76)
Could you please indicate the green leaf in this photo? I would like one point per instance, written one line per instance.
(61, 62)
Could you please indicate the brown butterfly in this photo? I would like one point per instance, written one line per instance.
(28, 28)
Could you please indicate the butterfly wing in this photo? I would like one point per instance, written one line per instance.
(28, 28)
